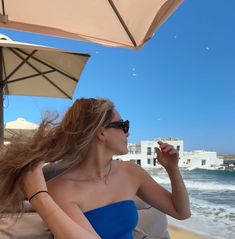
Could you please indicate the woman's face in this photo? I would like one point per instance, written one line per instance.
(116, 138)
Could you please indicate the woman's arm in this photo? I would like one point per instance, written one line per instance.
(176, 203)
(179, 195)
(59, 222)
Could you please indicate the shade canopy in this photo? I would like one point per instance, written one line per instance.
(122, 23)
(33, 70)
(20, 124)
(39, 71)
(18, 127)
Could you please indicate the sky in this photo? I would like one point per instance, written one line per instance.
(180, 84)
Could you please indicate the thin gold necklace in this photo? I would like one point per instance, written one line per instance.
(105, 178)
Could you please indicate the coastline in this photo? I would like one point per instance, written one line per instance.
(180, 233)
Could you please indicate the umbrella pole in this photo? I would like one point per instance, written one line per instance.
(1, 99)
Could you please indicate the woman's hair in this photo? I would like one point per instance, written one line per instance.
(65, 143)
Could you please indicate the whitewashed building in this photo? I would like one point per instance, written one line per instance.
(202, 159)
(144, 153)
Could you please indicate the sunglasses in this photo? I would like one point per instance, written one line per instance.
(124, 125)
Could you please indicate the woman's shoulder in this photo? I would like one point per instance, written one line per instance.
(127, 164)
(61, 184)
(130, 167)
(56, 185)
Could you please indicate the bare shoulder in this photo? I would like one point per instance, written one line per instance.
(131, 167)
(134, 171)
(55, 183)
(59, 186)
(125, 164)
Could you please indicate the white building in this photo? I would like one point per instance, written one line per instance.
(144, 153)
(202, 159)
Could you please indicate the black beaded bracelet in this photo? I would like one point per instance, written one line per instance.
(43, 191)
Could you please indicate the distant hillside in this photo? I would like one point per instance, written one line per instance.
(228, 156)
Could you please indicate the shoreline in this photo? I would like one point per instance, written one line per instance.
(181, 233)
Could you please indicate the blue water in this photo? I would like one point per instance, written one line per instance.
(212, 199)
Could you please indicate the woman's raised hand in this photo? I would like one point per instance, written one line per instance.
(167, 155)
(34, 181)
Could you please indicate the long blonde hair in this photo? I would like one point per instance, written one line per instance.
(66, 143)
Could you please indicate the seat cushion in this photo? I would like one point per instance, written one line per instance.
(29, 226)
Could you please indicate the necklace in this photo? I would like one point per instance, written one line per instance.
(105, 178)
(97, 179)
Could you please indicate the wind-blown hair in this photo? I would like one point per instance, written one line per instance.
(65, 143)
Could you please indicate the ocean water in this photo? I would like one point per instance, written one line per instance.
(212, 200)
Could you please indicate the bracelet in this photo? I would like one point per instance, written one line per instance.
(42, 191)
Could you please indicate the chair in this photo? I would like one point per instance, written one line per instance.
(29, 226)
(152, 223)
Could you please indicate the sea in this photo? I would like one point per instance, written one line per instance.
(212, 200)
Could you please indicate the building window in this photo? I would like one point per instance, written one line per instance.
(149, 161)
(178, 148)
(149, 151)
(131, 149)
(138, 149)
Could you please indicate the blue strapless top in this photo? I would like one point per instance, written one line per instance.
(114, 221)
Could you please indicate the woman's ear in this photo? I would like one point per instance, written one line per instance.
(101, 134)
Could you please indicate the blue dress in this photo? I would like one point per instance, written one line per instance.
(114, 221)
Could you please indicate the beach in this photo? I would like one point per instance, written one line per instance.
(179, 233)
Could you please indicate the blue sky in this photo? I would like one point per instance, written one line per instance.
(180, 84)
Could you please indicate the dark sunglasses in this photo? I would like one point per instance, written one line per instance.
(124, 125)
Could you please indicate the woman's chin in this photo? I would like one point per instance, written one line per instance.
(123, 152)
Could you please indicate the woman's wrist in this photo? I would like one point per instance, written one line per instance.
(36, 194)
(172, 170)
(40, 200)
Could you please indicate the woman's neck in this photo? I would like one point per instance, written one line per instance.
(94, 168)
(96, 165)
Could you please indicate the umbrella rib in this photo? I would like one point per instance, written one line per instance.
(38, 71)
(46, 64)
(31, 76)
(12, 132)
(122, 22)
(24, 60)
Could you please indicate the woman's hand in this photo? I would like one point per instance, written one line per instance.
(34, 181)
(167, 155)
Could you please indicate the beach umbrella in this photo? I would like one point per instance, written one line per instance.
(33, 70)
(122, 23)
(18, 127)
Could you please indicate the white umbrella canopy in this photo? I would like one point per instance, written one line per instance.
(48, 67)
(122, 23)
(18, 127)
(34, 70)
(21, 124)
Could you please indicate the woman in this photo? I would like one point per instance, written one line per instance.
(93, 196)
